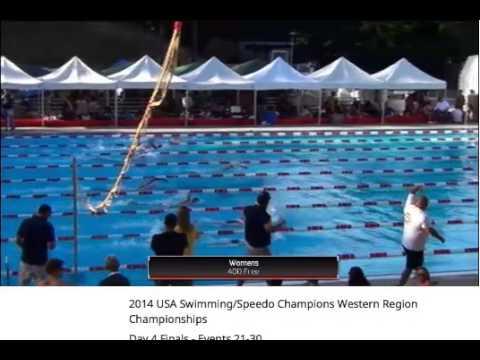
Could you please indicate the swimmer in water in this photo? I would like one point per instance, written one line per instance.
(148, 146)
(234, 165)
(236, 222)
(150, 183)
(175, 140)
(162, 206)
(188, 201)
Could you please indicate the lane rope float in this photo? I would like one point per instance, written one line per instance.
(273, 142)
(346, 204)
(361, 186)
(224, 162)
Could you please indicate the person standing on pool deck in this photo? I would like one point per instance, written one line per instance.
(170, 242)
(258, 230)
(186, 227)
(416, 229)
(35, 237)
(8, 109)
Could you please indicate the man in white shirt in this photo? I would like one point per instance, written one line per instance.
(416, 229)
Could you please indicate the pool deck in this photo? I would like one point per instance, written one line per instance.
(440, 279)
(236, 129)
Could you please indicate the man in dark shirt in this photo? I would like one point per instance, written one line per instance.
(35, 237)
(114, 278)
(258, 230)
(170, 243)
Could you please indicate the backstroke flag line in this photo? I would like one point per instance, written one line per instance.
(156, 99)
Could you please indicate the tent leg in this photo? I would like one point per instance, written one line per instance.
(187, 113)
(115, 101)
(319, 107)
(383, 99)
(42, 106)
(299, 102)
(255, 107)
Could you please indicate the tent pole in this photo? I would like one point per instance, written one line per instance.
(42, 106)
(319, 107)
(238, 97)
(187, 105)
(255, 107)
(115, 100)
(299, 102)
(383, 99)
(107, 97)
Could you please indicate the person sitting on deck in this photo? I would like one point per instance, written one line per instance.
(54, 270)
(114, 278)
(270, 116)
(356, 277)
(305, 113)
(440, 111)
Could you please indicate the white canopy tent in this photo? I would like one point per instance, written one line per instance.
(403, 75)
(215, 75)
(76, 75)
(14, 78)
(144, 74)
(343, 74)
(278, 75)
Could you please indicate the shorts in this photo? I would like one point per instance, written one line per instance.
(414, 258)
(31, 272)
(261, 251)
(258, 251)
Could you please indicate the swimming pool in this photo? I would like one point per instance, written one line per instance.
(340, 191)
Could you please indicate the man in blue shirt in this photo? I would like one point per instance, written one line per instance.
(35, 237)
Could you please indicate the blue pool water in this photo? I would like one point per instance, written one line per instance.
(291, 163)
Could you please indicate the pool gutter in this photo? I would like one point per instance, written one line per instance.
(238, 129)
